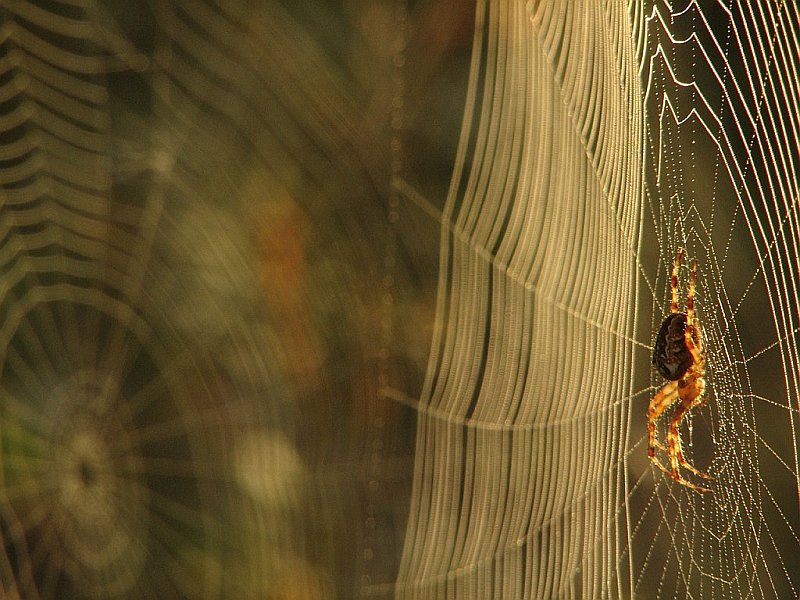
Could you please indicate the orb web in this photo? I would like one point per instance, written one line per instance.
(190, 238)
(140, 416)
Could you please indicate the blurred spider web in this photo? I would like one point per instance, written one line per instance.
(159, 344)
(222, 228)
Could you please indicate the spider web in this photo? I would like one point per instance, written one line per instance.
(598, 139)
(222, 332)
(146, 423)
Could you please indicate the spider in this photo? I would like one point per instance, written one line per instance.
(679, 357)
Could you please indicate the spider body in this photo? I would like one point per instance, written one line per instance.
(679, 356)
(671, 357)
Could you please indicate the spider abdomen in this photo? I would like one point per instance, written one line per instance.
(671, 357)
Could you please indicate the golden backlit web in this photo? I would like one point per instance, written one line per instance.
(597, 139)
(248, 349)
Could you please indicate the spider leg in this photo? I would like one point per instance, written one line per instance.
(691, 393)
(660, 402)
(676, 264)
(698, 333)
(691, 318)
(694, 381)
(695, 349)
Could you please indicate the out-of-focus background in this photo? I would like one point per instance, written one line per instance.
(207, 280)
(309, 299)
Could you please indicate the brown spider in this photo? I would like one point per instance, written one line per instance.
(679, 357)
